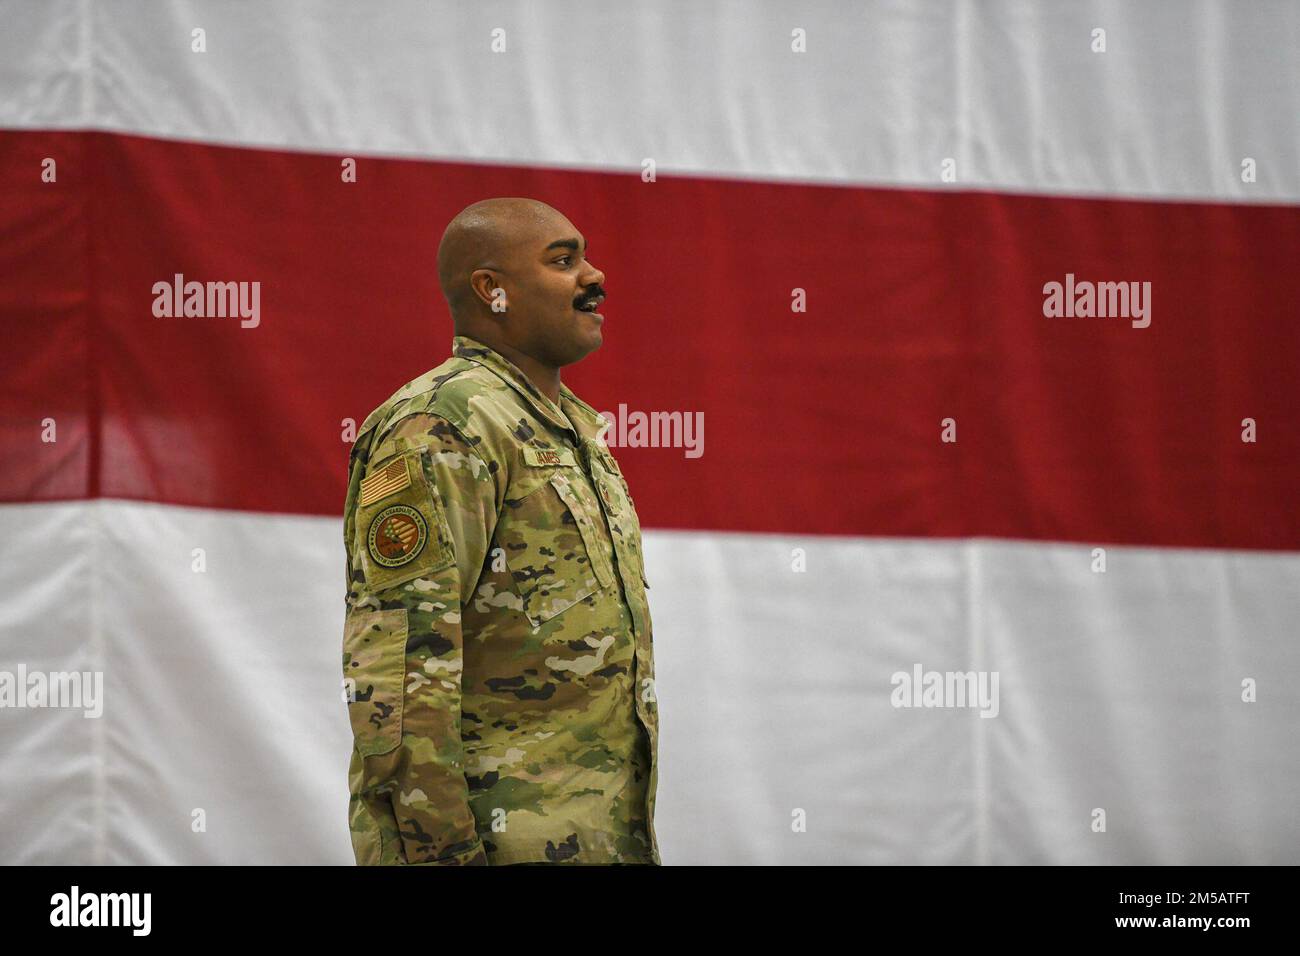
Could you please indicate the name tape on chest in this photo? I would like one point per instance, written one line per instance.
(549, 457)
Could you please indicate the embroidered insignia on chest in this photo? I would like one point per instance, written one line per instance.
(396, 536)
(385, 482)
(548, 456)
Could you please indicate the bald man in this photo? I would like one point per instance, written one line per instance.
(497, 649)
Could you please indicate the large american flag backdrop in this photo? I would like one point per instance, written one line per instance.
(829, 236)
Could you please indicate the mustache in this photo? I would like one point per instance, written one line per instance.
(588, 295)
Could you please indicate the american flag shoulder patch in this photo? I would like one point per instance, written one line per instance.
(388, 480)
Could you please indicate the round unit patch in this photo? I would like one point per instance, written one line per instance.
(397, 535)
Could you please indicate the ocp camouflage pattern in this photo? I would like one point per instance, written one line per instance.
(498, 638)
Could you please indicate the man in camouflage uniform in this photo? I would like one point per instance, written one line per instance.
(497, 648)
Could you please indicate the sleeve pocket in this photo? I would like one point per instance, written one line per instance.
(374, 659)
(404, 534)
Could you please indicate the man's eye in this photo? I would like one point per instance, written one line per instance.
(564, 259)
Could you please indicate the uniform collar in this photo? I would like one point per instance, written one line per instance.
(462, 346)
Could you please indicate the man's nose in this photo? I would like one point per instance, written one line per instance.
(592, 276)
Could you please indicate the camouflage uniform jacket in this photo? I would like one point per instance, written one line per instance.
(497, 646)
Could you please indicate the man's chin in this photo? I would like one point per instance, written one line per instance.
(574, 343)
(592, 337)
(585, 347)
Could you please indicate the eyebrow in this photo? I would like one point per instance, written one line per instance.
(571, 244)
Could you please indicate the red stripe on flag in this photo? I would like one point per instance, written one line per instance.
(921, 306)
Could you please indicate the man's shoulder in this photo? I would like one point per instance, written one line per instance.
(414, 395)
(461, 392)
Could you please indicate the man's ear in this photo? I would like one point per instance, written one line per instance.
(487, 288)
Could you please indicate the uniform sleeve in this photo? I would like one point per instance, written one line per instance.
(422, 522)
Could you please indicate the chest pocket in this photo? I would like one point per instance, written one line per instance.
(552, 546)
(622, 511)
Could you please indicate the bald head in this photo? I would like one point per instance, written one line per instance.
(517, 278)
(485, 235)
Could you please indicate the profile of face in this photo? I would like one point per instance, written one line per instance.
(551, 291)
